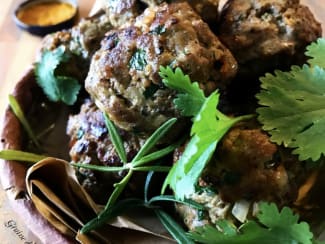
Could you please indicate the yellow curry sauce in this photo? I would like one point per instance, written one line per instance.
(46, 13)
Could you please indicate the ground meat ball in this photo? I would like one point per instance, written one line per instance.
(123, 13)
(207, 9)
(123, 78)
(267, 34)
(81, 41)
(90, 144)
(248, 166)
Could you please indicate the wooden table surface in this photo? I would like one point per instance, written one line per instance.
(17, 52)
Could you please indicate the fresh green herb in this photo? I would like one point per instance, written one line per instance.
(293, 103)
(113, 211)
(272, 226)
(136, 162)
(168, 198)
(116, 139)
(17, 155)
(316, 52)
(190, 98)
(147, 184)
(173, 227)
(22, 118)
(209, 126)
(56, 87)
(127, 166)
(138, 60)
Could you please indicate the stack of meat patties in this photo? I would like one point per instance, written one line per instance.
(120, 51)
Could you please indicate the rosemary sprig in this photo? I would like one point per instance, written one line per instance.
(127, 166)
(116, 139)
(173, 227)
(137, 163)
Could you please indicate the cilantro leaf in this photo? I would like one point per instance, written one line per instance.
(272, 226)
(294, 109)
(56, 87)
(317, 53)
(191, 97)
(209, 126)
(285, 224)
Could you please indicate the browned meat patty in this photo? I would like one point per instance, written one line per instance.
(207, 9)
(123, 12)
(123, 79)
(81, 41)
(91, 144)
(267, 34)
(248, 166)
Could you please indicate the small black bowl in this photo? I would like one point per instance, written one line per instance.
(42, 30)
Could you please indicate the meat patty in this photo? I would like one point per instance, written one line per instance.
(123, 12)
(124, 81)
(248, 166)
(207, 9)
(267, 34)
(91, 144)
(81, 41)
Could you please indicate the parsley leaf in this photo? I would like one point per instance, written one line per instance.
(294, 109)
(316, 51)
(56, 87)
(273, 226)
(209, 126)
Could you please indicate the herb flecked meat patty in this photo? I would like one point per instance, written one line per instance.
(267, 34)
(124, 81)
(123, 13)
(248, 167)
(80, 42)
(91, 144)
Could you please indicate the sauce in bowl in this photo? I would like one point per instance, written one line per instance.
(46, 13)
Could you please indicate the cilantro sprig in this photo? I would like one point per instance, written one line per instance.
(56, 87)
(293, 105)
(271, 226)
(209, 126)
